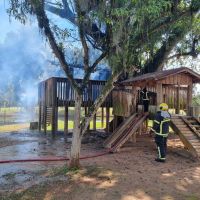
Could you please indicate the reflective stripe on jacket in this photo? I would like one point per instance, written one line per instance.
(161, 123)
(145, 95)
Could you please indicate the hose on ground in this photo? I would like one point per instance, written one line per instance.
(55, 159)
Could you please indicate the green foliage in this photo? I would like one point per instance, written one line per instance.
(137, 26)
(61, 34)
(196, 100)
(58, 171)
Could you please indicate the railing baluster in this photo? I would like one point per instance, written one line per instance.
(65, 92)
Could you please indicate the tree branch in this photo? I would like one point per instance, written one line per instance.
(92, 29)
(65, 13)
(106, 91)
(82, 36)
(43, 23)
(141, 38)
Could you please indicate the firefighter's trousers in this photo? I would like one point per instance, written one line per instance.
(161, 143)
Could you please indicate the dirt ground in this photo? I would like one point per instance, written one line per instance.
(131, 174)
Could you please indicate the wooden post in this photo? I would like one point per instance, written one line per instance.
(40, 106)
(107, 118)
(178, 100)
(94, 122)
(66, 120)
(45, 109)
(134, 99)
(86, 112)
(189, 98)
(45, 118)
(159, 93)
(102, 117)
(115, 121)
(54, 107)
(40, 117)
(56, 122)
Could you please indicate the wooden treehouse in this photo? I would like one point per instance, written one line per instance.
(173, 87)
(58, 92)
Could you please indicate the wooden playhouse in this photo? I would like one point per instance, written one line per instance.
(173, 87)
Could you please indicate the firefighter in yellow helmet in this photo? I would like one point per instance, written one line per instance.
(161, 130)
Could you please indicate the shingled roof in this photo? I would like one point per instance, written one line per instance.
(163, 74)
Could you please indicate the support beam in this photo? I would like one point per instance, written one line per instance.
(54, 107)
(115, 122)
(66, 120)
(159, 93)
(94, 122)
(189, 98)
(45, 109)
(86, 113)
(134, 98)
(178, 100)
(54, 119)
(45, 118)
(107, 118)
(102, 117)
(40, 117)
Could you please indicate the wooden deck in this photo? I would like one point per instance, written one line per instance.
(57, 92)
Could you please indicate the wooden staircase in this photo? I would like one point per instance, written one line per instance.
(188, 129)
(45, 116)
(49, 111)
(124, 132)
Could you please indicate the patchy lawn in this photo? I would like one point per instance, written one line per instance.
(13, 127)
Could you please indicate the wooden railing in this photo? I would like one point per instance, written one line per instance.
(59, 92)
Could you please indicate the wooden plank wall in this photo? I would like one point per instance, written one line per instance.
(171, 94)
(178, 79)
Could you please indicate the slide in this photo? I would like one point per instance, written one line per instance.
(124, 131)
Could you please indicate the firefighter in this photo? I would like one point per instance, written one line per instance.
(145, 99)
(161, 130)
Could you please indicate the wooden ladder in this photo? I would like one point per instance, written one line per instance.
(188, 129)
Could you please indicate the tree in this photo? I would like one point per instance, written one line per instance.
(130, 34)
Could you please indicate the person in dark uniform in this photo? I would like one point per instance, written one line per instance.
(145, 99)
(161, 130)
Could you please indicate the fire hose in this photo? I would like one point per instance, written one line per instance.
(55, 159)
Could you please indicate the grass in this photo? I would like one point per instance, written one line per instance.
(13, 127)
(9, 176)
(192, 198)
(10, 110)
(71, 124)
(59, 171)
(18, 127)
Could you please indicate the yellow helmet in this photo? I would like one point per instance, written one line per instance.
(163, 107)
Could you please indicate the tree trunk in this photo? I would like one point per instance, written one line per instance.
(76, 138)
